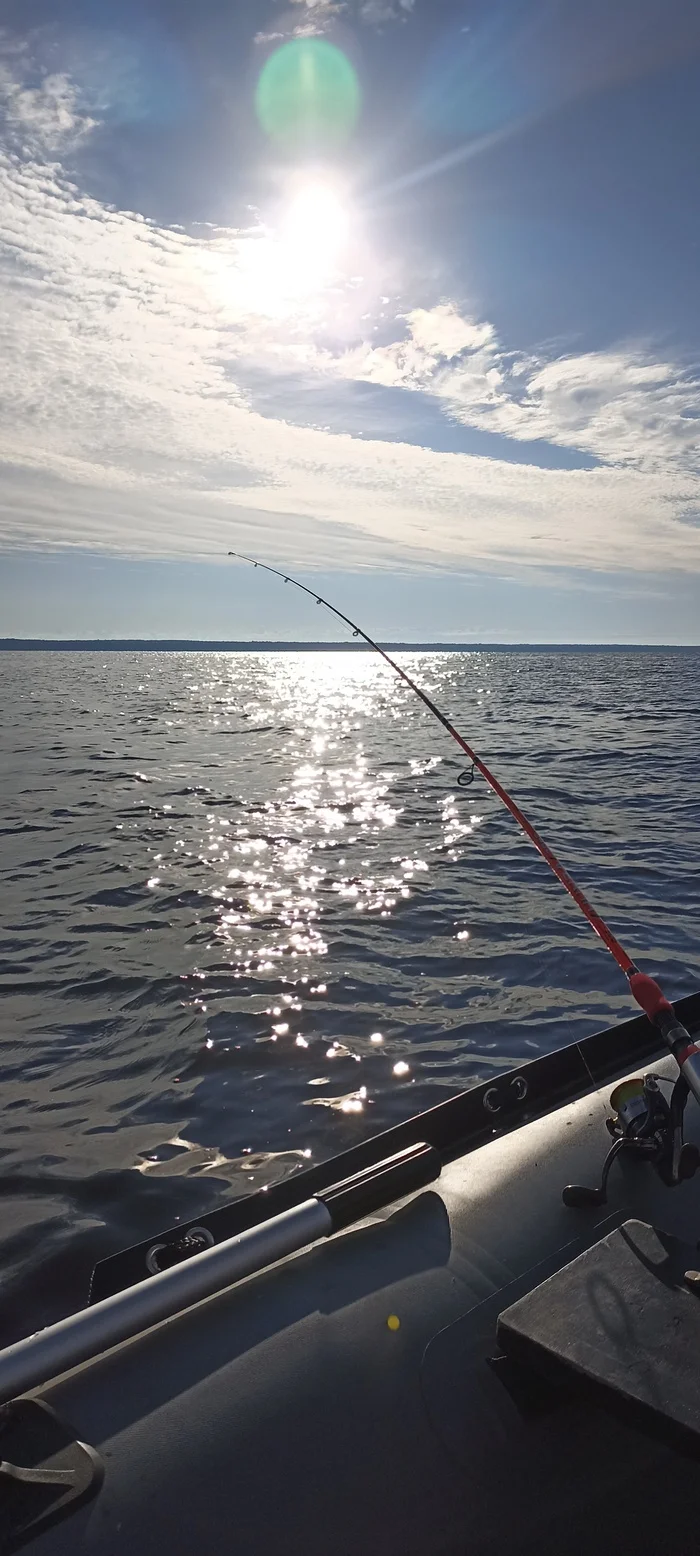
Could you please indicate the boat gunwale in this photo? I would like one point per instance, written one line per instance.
(455, 1127)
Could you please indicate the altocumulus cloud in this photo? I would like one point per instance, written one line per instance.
(125, 423)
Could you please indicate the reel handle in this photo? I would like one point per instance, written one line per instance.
(578, 1197)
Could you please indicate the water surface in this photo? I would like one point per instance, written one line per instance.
(249, 917)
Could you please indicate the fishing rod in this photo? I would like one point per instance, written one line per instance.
(645, 990)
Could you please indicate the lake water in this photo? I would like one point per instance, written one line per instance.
(249, 917)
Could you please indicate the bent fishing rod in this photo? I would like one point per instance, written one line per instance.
(645, 990)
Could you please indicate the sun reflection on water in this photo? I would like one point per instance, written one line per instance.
(311, 831)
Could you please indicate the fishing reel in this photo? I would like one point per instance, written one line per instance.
(647, 1127)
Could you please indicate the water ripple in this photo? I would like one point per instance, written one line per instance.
(250, 917)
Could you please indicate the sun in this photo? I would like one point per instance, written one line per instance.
(303, 248)
(315, 225)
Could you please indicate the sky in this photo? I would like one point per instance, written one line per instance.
(399, 295)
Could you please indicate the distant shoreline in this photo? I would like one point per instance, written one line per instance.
(192, 645)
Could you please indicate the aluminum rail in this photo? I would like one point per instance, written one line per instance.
(94, 1329)
(127, 1313)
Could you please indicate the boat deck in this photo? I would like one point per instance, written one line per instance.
(286, 1415)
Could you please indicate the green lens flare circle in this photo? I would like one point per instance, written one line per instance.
(308, 94)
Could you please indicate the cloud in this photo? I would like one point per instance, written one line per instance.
(43, 115)
(374, 12)
(378, 13)
(441, 331)
(620, 405)
(319, 13)
(126, 423)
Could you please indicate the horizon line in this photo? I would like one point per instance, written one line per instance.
(280, 645)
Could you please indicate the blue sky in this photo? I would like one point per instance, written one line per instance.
(446, 364)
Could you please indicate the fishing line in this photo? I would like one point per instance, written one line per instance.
(645, 989)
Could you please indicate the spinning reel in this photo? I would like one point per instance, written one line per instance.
(646, 1126)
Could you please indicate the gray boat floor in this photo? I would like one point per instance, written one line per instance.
(285, 1416)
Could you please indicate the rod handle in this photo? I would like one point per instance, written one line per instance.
(662, 1015)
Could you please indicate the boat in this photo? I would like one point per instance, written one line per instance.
(451, 1338)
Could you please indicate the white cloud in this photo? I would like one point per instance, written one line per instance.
(319, 14)
(125, 423)
(377, 13)
(43, 115)
(620, 405)
(441, 331)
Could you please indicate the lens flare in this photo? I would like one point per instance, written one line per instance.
(308, 95)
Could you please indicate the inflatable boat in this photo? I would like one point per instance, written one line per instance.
(461, 1336)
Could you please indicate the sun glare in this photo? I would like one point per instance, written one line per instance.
(285, 270)
(315, 226)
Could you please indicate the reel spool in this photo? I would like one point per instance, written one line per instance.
(643, 1125)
